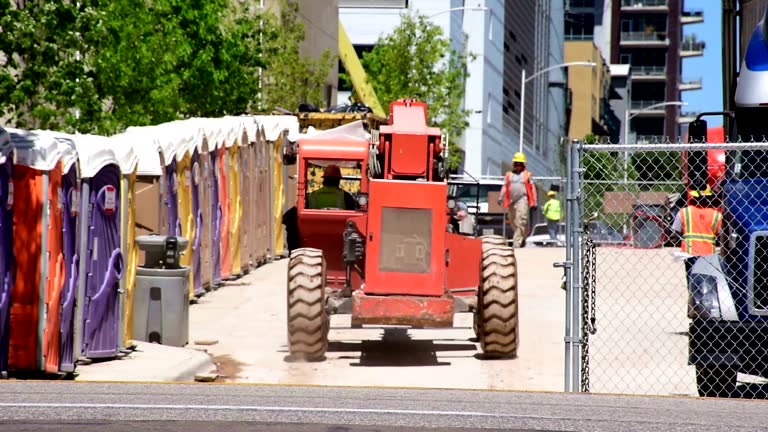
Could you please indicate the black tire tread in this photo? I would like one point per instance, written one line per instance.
(308, 321)
(497, 310)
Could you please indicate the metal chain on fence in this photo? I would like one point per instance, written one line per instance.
(588, 275)
(676, 264)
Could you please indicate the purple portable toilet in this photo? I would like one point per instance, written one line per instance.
(6, 244)
(215, 217)
(97, 314)
(197, 262)
(71, 190)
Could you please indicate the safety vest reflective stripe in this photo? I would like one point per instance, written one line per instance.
(698, 235)
(324, 198)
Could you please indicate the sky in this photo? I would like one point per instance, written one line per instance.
(709, 66)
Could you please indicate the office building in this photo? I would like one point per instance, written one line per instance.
(648, 36)
(505, 37)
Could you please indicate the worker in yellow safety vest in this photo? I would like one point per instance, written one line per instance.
(331, 195)
(518, 195)
(553, 215)
(699, 225)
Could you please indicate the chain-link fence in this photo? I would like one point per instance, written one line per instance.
(668, 293)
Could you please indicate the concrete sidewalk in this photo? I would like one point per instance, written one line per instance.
(150, 362)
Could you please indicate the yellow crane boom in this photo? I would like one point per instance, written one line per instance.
(357, 74)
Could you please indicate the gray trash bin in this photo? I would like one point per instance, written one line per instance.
(161, 296)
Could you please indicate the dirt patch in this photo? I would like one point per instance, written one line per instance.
(228, 368)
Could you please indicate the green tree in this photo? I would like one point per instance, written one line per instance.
(416, 61)
(289, 78)
(140, 64)
(47, 80)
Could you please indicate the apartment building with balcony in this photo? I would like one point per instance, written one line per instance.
(647, 36)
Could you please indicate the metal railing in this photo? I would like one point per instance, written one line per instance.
(579, 36)
(642, 36)
(697, 82)
(649, 70)
(695, 46)
(643, 3)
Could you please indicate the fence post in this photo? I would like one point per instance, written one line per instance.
(569, 196)
(576, 230)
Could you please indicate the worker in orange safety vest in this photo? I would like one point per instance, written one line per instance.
(518, 194)
(699, 224)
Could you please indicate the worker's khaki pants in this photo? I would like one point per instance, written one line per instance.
(518, 220)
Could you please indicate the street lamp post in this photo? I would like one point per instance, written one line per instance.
(524, 80)
(471, 8)
(628, 117)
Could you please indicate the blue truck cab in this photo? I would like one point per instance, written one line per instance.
(728, 291)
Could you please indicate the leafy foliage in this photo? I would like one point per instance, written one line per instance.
(47, 79)
(290, 79)
(138, 62)
(416, 61)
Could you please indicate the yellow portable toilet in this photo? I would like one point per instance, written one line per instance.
(276, 129)
(183, 138)
(235, 198)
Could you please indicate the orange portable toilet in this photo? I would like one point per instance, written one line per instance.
(41, 160)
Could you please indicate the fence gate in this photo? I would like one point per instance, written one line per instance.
(631, 325)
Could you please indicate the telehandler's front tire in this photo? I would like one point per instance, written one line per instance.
(496, 316)
(308, 320)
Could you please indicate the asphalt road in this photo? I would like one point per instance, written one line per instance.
(110, 407)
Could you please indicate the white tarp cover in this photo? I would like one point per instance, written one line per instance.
(146, 148)
(123, 146)
(218, 131)
(180, 136)
(94, 153)
(5, 145)
(43, 149)
(354, 130)
(158, 139)
(274, 124)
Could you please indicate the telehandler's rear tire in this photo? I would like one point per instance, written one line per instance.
(308, 320)
(496, 317)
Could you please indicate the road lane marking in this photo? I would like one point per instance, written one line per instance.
(273, 408)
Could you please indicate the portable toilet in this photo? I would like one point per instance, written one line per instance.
(234, 192)
(128, 160)
(42, 157)
(214, 136)
(157, 163)
(182, 138)
(98, 301)
(277, 129)
(6, 243)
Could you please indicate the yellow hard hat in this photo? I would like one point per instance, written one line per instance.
(705, 192)
(551, 193)
(519, 157)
